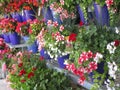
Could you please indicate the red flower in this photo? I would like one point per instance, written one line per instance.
(72, 37)
(81, 23)
(116, 43)
(31, 74)
(41, 58)
(81, 80)
(34, 68)
(23, 80)
(22, 72)
(20, 64)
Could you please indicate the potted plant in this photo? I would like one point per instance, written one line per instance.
(28, 72)
(94, 39)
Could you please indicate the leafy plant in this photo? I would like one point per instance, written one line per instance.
(32, 74)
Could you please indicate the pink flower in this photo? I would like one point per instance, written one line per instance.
(55, 24)
(93, 65)
(62, 2)
(81, 80)
(61, 28)
(49, 22)
(90, 54)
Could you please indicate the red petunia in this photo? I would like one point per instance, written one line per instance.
(23, 80)
(116, 43)
(72, 37)
(34, 68)
(31, 74)
(22, 72)
(20, 64)
(81, 23)
(41, 58)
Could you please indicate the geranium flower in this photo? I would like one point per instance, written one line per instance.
(31, 74)
(22, 72)
(116, 43)
(72, 37)
(23, 80)
(81, 23)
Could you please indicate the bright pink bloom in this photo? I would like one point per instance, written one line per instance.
(93, 65)
(81, 80)
(61, 28)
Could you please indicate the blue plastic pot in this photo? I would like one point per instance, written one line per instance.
(44, 54)
(17, 17)
(14, 38)
(47, 13)
(61, 60)
(82, 18)
(6, 37)
(100, 70)
(101, 15)
(32, 47)
(29, 15)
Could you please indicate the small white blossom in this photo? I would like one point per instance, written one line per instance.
(98, 56)
(112, 69)
(116, 30)
(111, 48)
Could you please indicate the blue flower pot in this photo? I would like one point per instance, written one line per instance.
(17, 17)
(101, 15)
(29, 15)
(47, 13)
(44, 54)
(32, 47)
(1, 36)
(61, 60)
(14, 38)
(82, 18)
(6, 37)
(100, 70)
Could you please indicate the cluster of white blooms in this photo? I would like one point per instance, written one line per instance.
(111, 47)
(112, 69)
(98, 56)
(55, 51)
(108, 83)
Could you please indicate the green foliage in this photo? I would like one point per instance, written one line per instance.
(44, 78)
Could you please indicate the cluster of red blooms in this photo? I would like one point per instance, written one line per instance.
(15, 5)
(85, 66)
(23, 28)
(72, 37)
(3, 48)
(22, 72)
(8, 24)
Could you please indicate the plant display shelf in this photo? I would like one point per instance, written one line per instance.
(87, 85)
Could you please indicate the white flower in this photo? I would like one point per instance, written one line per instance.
(111, 48)
(66, 62)
(116, 30)
(98, 56)
(112, 69)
